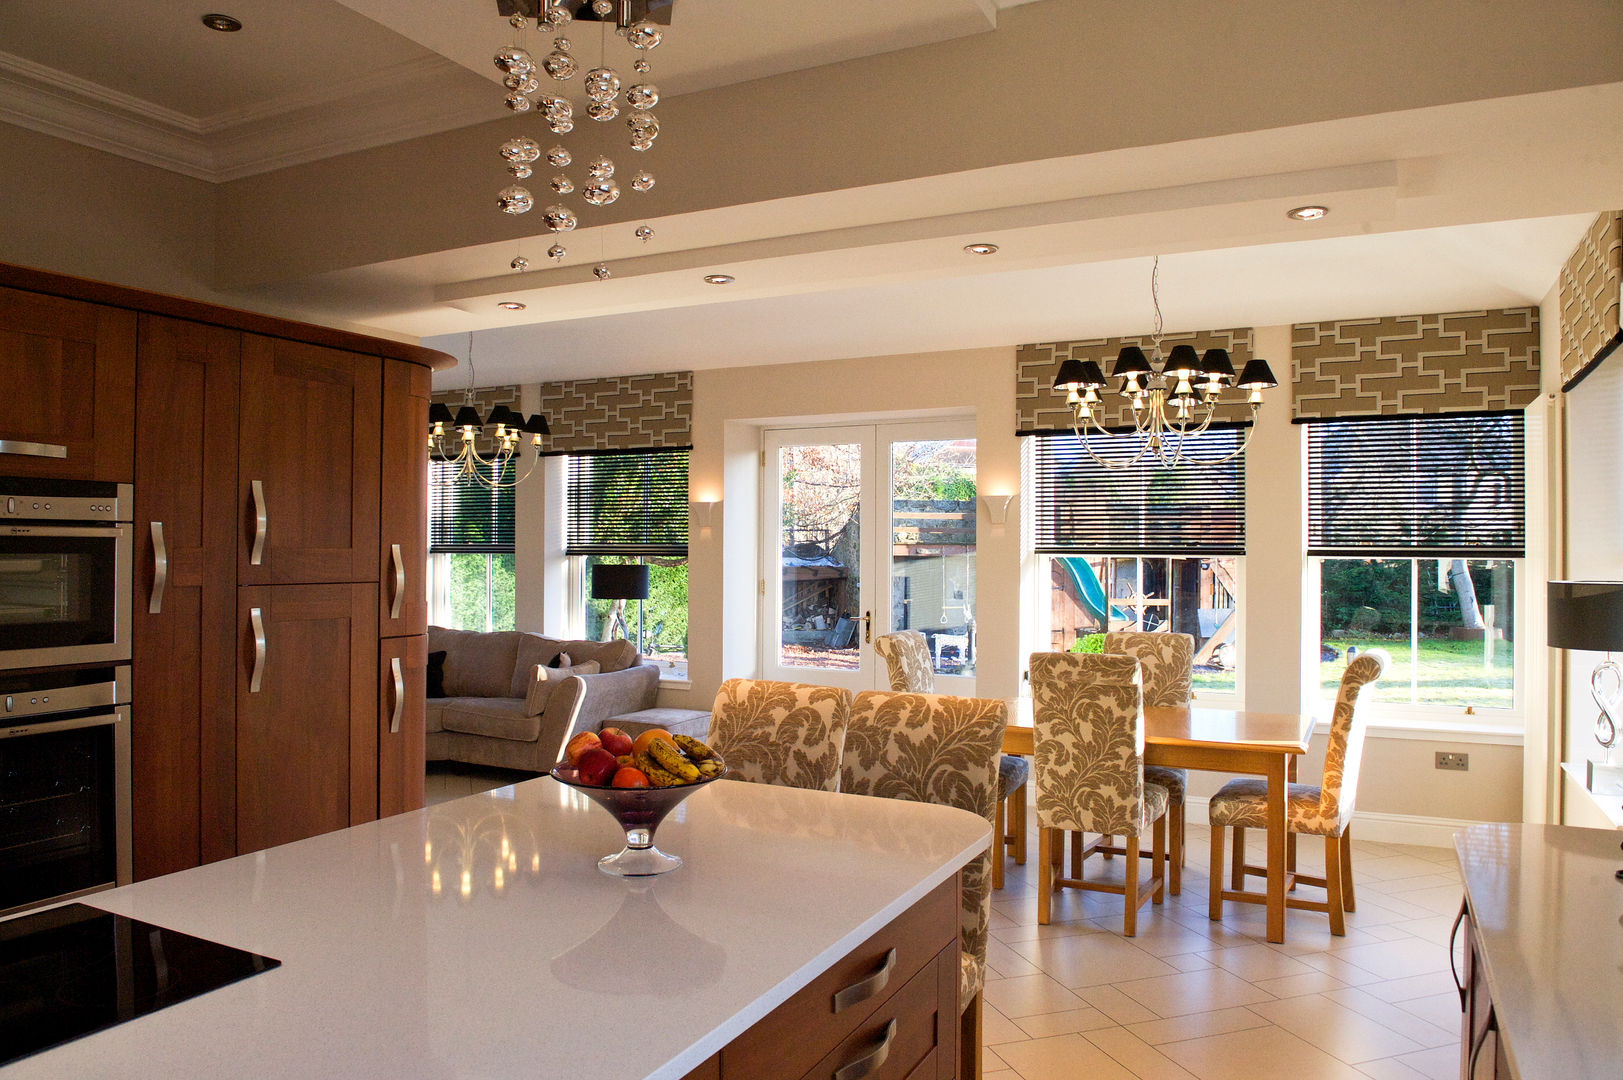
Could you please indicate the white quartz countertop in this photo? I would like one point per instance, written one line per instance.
(1550, 917)
(477, 938)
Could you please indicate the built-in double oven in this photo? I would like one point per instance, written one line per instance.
(65, 559)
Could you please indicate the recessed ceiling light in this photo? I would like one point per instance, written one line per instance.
(718, 279)
(511, 305)
(1307, 213)
(223, 23)
(981, 249)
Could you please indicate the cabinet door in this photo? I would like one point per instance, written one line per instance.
(308, 471)
(70, 369)
(402, 715)
(307, 745)
(183, 705)
(404, 533)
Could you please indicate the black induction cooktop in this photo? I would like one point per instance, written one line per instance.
(73, 970)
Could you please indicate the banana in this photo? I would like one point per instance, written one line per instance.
(657, 776)
(695, 749)
(711, 767)
(671, 759)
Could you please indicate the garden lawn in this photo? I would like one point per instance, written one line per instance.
(1449, 672)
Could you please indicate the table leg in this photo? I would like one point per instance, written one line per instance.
(1276, 849)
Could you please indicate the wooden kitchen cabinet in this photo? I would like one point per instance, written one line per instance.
(403, 541)
(308, 465)
(69, 371)
(307, 742)
(183, 703)
(402, 716)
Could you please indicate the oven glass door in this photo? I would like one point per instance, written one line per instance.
(60, 594)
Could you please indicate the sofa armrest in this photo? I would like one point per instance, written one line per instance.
(584, 702)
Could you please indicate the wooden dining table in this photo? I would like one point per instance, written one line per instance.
(1217, 740)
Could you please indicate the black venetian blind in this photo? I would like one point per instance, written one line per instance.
(1417, 486)
(628, 504)
(1196, 508)
(465, 515)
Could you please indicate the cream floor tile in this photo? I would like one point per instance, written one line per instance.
(1069, 1022)
(1029, 995)
(990, 1062)
(1090, 959)
(1415, 986)
(1442, 1063)
(1017, 932)
(1192, 992)
(1188, 961)
(1063, 1057)
(1437, 928)
(1391, 868)
(1313, 982)
(1397, 959)
(1257, 962)
(1241, 1055)
(1442, 1010)
(1389, 1069)
(1333, 965)
(1397, 931)
(1397, 1018)
(1182, 928)
(1442, 899)
(1000, 1074)
(1007, 962)
(1138, 1057)
(1196, 1026)
(997, 1029)
(1339, 1031)
(1115, 1004)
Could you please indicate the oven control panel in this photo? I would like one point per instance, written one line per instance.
(64, 500)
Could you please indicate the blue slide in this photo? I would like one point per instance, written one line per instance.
(1089, 590)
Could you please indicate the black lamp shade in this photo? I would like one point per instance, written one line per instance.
(1093, 376)
(1257, 376)
(1132, 361)
(1216, 362)
(626, 581)
(1183, 362)
(468, 416)
(1070, 374)
(1586, 615)
(439, 413)
(501, 414)
(537, 425)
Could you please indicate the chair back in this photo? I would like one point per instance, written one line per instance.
(1345, 751)
(1167, 662)
(1088, 720)
(907, 658)
(782, 733)
(938, 749)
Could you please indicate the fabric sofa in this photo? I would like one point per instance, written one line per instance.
(498, 711)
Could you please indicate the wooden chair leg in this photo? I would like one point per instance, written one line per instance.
(1237, 872)
(1346, 869)
(1017, 823)
(1332, 886)
(969, 1041)
(997, 846)
(1175, 848)
(1045, 874)
(1079, 841)
(1107, 840)
(1129, 922)
(1158, 859)
(1214, 904)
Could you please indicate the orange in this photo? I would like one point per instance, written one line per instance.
(639, 745)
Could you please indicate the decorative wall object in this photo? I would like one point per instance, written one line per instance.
(1040, 409)
(1589, 296)
(1414, 365)
(484, 399)
(629, 412)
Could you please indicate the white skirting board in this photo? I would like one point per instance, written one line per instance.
(1384, 828)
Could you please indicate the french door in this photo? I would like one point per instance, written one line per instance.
(865, 530)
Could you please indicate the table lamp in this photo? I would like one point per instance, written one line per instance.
(1588, 615)
(621, 581)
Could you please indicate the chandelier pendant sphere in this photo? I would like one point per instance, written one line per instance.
(512, 429)
(1171, 404)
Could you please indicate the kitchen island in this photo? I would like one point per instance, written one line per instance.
(477, 938)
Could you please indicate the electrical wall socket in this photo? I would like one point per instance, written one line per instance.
(1447, 760)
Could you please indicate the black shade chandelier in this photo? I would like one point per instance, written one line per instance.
(510, 429)
(1170, 403)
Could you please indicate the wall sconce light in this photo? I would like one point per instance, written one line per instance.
(702, 513)
(996, 507)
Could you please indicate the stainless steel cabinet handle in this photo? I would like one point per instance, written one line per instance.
(160, 570)
(399, 580)
(866, 987)
(399, 695)
(868, 1063)
(261, 524)
(1454, 970)
(258, 621)
(32, 449)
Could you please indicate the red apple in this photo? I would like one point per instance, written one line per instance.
(578, 744)
(630, 777)
(615, 741)
(596, 766)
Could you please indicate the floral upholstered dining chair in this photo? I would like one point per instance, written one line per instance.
(1167, 664)
(938, 749)
(907, 661)
(782, 733)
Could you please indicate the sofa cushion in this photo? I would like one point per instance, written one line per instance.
(533, 649)
(616, 655)
(477, 664)
(496, 718)
(546, 681)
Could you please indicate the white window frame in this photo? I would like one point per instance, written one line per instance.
(575, 618)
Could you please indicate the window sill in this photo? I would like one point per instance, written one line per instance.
(1507, 732)
(675, 684)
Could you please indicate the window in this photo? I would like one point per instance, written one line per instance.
(1415, 526)
(470, 544)
(1141, 547)
(633, 508)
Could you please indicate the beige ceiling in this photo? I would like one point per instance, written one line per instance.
(836, 157)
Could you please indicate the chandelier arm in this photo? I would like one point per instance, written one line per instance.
(1081, 433)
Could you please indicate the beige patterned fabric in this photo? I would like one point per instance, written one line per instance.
(1089, 735)
(937, 749)
(1176, 781)
(1325, 809)
(907, 658)
(1166, 662)
(780, 733)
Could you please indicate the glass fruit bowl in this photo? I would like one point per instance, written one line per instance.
(638, 811)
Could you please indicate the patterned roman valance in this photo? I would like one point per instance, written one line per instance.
(1038, 409)
(1416, 365)
(1589, 296)
(627, 412)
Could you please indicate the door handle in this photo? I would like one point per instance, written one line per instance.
(160, 570)
(258, 622)
(867, 628)
(399, 694)
(261, 524)
(399, 580)
(33, 449)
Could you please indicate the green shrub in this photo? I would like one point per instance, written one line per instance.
(1089, 643)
